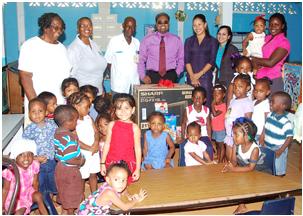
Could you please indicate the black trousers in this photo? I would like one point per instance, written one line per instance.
(155, 76)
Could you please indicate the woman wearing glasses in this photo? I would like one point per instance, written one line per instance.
(43, 61)
(88, 64)
(200, 55)
(161, 54)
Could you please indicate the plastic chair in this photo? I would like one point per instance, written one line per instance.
(284, 206)
(181, 155)
(266, 162)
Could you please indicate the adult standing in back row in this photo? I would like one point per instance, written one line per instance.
(122, 56)
(84, 55)
(200, 54)
(161, 54)
(43, 61)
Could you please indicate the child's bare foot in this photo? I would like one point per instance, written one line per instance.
(240, 209)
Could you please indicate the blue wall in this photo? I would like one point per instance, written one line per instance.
(10, 32)
(70, 15)
(241, 23)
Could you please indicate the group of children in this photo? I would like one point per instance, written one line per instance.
(67, 144)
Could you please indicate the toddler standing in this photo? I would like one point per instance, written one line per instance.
(252, 44)
(22, 151)
(42, 131)
(67, 175)
(199, 113)
(99, 202)
(88, 139)
(195, 150)
(261, 104)
(50, 101)
(241, 106)
(158, 145)
(278, 130)
(218, 108)
(245, 153)
(123, 137)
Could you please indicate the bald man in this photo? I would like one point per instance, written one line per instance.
(122, 56)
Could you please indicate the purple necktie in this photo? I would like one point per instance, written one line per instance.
(162, 58)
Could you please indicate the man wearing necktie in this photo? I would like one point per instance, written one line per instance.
(161, 54)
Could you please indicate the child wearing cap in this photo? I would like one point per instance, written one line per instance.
(23, 151)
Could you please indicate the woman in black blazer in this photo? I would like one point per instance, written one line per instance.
(224, 59)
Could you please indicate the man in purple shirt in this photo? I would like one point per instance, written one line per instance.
(150, 67)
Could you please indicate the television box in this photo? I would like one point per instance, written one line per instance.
(149, 96)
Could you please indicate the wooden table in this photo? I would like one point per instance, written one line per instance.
(199, 187)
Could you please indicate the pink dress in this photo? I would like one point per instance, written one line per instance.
(122, 145)
(26, 190)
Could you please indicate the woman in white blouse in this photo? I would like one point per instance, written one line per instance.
(88, 64)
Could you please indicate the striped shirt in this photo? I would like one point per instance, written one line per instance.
(277, 129)
(67, 146)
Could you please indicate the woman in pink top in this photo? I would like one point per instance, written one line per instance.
(275, 51)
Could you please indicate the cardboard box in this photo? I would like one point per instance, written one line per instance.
(148, 95)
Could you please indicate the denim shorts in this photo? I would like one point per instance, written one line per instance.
(47, 177)
(280, 162)
(218, 136)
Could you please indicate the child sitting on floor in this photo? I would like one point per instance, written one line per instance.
(195, 150)
(278, 130)
(99, 202)
(245, 153)
(42, 131)
(23, 151)
(197, 112)
(50, 101)
(158, 145)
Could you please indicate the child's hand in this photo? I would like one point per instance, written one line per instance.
(103, 170)
(94, 148)
(278, 152)
(228, 167)
(140, 196)
(136, 174)
(41, 159)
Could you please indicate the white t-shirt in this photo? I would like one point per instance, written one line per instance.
(87, 62)
(258, 116)
(196, 148)
(85, 130)
(254, 47)
(123, 58)
(47, 62)
(199, 117)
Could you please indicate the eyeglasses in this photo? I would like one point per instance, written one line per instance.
(162, 23)
(57, 28)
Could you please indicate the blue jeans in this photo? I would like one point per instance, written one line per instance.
(280, 162)
(47, 177)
